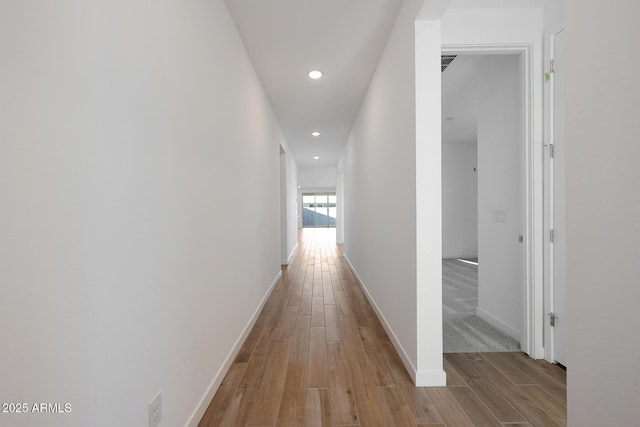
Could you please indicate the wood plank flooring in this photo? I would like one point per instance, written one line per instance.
(318, 356)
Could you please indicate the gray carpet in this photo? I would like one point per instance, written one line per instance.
(463, 330)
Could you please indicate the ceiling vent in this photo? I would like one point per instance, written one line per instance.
(446, 60)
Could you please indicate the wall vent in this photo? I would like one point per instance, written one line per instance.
(446, 60)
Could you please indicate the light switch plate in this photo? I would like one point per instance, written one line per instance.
(499, 215)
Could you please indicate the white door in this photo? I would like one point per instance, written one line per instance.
(558, 315)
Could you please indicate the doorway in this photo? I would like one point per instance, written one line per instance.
(319, 210)
(483, 200)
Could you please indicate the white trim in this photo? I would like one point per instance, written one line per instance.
(431, 378)
(198, 413)
(420, 378)
(549, 174)
(531, 337)
(546, 164)
(433, 10)
(499, 324)
(288, 260)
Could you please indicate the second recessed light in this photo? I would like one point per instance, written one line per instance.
(315, 133)
(316, 157)
(315, 74)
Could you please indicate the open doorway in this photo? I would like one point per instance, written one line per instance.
(483, 136)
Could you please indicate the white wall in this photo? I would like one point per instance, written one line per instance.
(317, 177)
(500, 139)
(459, 200)
(428, 164)
(603, 213)
(553, 13)
(136, 145)
(380, 167)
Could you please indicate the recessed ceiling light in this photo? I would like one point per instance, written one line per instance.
(315, 74)
(315, 133)
(316, 157)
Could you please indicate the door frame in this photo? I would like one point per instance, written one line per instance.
(531, 338)
(283, 205)
(549, 263)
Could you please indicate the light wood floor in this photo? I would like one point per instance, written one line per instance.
(318, 356)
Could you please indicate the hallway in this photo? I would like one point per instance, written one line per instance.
(318, 355)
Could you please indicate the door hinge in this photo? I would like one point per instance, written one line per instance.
(552, 151)
(552, 318)
(552, 235)
(552, 66)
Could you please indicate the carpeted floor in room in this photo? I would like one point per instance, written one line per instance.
(463, 330)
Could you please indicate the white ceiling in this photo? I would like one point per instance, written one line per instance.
(286, 39)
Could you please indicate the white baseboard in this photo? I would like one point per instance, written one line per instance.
(420, 378)
(288, 260)
(497, 323)
(217, 380)
(436, 378)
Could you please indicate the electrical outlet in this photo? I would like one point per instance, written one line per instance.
(155, 410)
